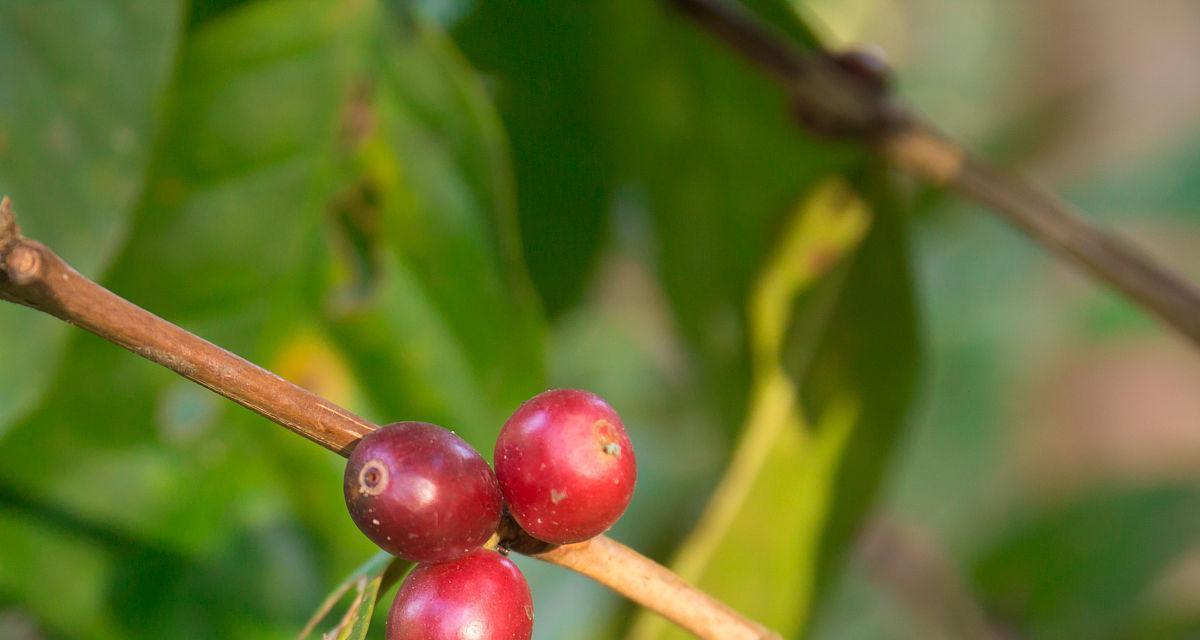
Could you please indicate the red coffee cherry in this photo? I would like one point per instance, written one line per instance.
(565, 465)
(479, 596)
(421, 492)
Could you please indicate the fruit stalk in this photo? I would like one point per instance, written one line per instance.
(34, 276)
(624, 570)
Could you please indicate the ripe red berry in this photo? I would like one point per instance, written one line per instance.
(479, 596)
(421, 492)
(565, 465)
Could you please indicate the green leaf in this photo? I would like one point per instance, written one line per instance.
(79, 108)
(597, 96)
(719, 155)
(755, 547)
(227, 242)
(715, 158)
(1166, 622)
(626, 107)
(1082, 571)
(870, 348)
(707, 150)
(797, 487)
(542, 58)
(261, 144)
(204, 10)
(440, 323)
(368, 582)
(32, 548)
(207, 251)
(784, 15)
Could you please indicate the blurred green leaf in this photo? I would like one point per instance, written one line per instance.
(868, 348)
(368, 582)
(441, 324)
(226, 242)
(239, 154)
(1082, 570)
(204, 10)
(542, 57)
(79, 108)
(755, 548)
(693, 137)
(296, 121)
(33, 547)
(1164, 622)
(711, 152)
(786, 17)
(230, 241)
(585, 89)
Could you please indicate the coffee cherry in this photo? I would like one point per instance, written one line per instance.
(479, 596)
(565, 465)
(421, 492)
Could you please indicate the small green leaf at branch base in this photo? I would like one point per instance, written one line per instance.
(367, 582)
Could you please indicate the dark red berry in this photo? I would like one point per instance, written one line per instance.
(421, 492)
(479, 596)
(565, 465)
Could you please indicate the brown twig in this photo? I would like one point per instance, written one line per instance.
(1054, 223)
(613, 564)
(827, 95)
(34, 276)
(840, 99)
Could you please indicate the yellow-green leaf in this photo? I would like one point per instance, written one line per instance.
(762, 527)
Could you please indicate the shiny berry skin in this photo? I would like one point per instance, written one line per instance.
(565, 465)
(421, 493)
(481, 596)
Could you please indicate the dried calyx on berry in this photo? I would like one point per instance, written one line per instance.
(421, 493)
(565, 465)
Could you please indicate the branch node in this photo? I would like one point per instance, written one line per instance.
(20, 260)
(835, 95)
(925, 153)
(23, 264)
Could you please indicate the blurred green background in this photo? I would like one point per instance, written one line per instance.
(434, 210)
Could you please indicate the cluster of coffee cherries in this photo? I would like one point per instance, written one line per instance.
(565, 472)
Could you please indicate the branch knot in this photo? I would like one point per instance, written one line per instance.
(20, 259)
(23, 264)
(846, 94)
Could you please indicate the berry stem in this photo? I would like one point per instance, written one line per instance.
(34, 276)
(655, 587)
